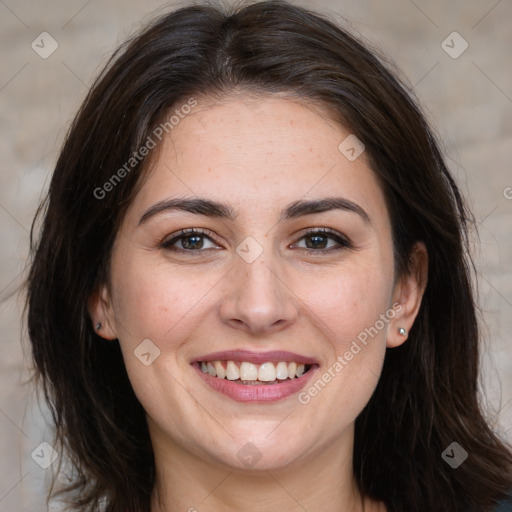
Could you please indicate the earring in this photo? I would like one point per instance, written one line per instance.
(98, 326)
(402, 331)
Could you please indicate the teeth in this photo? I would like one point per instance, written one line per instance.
(281, 371)
(249, 372)
(219, 369)
(211, 369)
(267, 372)
(232, 372)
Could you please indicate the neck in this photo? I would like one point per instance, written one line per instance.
(320, 481)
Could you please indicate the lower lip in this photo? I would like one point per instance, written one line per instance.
(257, 393)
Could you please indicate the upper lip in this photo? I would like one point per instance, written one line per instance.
(256, 357)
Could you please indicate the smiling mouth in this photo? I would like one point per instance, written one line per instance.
(252, 374)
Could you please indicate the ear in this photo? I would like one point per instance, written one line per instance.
(407, 295)
(101, 312)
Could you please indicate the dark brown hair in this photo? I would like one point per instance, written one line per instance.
(427, 396)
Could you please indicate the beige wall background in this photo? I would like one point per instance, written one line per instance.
(468, 97)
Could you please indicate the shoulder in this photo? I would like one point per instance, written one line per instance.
(504, 506)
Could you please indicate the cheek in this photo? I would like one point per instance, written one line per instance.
(153, 300)
(159, 303)
(352, 312)
(349, 302)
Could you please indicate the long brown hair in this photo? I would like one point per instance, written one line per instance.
(427, 396)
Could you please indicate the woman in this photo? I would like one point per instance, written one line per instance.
(252, 290)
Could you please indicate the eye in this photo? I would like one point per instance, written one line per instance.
(323, 240)
(197, 240)
(189, 240)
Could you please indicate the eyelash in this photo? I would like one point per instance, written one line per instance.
(343, 242)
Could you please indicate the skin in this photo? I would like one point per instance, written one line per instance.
(257, 154)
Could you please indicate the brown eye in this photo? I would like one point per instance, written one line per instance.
(189, 241)
(325, 240)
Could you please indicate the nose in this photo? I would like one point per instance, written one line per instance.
(257, 299)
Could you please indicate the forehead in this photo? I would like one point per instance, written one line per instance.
(257, 153)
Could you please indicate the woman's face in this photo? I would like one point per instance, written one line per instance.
(292, 265)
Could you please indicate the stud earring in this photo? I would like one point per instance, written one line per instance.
(402, 331)
(98, 326)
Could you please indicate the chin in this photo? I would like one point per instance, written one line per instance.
(259, 452)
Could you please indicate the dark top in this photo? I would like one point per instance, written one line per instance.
(504, 506)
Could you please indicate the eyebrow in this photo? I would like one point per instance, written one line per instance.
(218, 210)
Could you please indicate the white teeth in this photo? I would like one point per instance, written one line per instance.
(221, 373)
(232, 372)
(267, 372)
(248, 371)
(211, 369)
(245, 371)
(281, 371)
